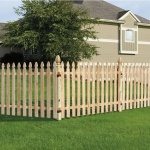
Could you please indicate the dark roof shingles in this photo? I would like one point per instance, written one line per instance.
(103, 10)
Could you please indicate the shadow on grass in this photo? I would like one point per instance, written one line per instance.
(4, 118)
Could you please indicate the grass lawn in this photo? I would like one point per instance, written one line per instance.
(128, 130)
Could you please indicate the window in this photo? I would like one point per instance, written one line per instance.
(129, 36)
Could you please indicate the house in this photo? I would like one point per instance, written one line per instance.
(120, 33)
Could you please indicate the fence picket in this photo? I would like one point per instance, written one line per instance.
(83, 89)
(78, 87)
(148, 84)
(13, 89)
(8, 90)
(36, 114)
(68, 89)
(19, 90)
(123, 86)
(30, 89)
(93, 88)
(102, 88)
(135, 85)
(106, 87)
(145, 84)
(3, 89)
(88, 89)
(131, 85)
(115, 86)
(138, 86)
(73, 89)
(98, 88)
(48, 91)
(111, 87)
(24, 90)
(63, 87)
(42, 114)
(142, 73)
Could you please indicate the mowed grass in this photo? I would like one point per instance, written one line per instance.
(128, 130)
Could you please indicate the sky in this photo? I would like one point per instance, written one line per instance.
(140, 7)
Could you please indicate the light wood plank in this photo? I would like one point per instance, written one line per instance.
(42, 114)
(68, 89)
(48, 91)
(98, 88)
(3, 89)
(62, 90)
(8, 90)
(30, 89)
(13, 89)
(24, 90)
(78, 89)
(83, 89)
(73, 89)
(19, 90)
(36, 90)
(88, 89)
(102, 88)
(93, 88)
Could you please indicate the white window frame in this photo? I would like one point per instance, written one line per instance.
(133, 36)
(122, 51)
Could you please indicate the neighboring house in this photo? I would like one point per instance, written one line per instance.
(120, 33)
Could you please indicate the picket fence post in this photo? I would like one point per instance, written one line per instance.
(57, 89)
(119, 82)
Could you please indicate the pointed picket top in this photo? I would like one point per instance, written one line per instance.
(8, 65)
(48, 64)
(73, 64)
(24, 65)
(36, 65)
(30, 65)
(42, 65)
(19, 65)
(3, 65)
(68, 65)
(58, 59)
(13, 65)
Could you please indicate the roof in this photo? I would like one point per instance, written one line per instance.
(100, 9)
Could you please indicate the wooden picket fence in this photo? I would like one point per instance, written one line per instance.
(71, 90)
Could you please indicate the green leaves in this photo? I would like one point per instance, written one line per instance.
(52, 27)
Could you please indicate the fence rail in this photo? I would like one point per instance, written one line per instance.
(74, 90)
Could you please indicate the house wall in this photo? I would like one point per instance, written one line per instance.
(108, 44)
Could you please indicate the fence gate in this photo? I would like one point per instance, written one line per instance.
(61, 90)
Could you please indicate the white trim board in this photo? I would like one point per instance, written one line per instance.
(115, 41)
(143, 43)
(103, 40)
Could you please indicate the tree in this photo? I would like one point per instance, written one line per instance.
(52, 27)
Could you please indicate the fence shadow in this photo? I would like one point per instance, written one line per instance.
(5, 118)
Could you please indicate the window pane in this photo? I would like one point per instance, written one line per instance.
(129, 35)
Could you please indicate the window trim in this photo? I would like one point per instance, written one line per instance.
(128, 52)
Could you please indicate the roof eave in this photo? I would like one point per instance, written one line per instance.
(143, 24)
(110, 21)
